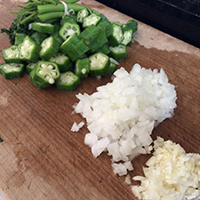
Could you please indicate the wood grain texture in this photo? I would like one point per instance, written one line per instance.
(41, 158)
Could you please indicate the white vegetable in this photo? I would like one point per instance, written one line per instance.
(171, 174)
(76, 127)
(122, 114)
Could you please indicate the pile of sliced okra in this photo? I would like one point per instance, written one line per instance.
(65, 53)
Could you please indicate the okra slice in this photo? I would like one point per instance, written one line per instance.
(69, 43)
(99, 64)
(39, 37)
(92, 19)
(68, 81)
(128, 35)
(82, 14)
(49, 47)
(78, 50)
(104, 49)
(67, 18)
(111, 69)
(19, 37)
(46, 73)
(63, 62)
(42, 27)
(82, 67)
(114, 34)
(118, 52)
(29, 49)
(11, 54)
(37, 84)
(68, 29)
(12, 70)
(94, 37)
(30, 67)
(132, 24)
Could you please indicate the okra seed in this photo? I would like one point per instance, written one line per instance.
(43, 66)
(51, 81)
(50, 66)
(41, 72)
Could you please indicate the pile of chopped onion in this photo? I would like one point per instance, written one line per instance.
(171, 174)
(121, 115)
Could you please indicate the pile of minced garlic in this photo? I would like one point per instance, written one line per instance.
(171, 174)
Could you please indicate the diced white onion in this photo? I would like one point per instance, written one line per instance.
(121, 115)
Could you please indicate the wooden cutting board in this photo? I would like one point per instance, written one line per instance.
(41, 159)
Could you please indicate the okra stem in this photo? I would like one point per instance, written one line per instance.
(60, 8)
(49, 16)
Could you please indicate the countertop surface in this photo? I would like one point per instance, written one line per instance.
(40, 158)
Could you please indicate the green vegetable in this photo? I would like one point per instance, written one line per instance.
(74, 47)
(94, 37)
(115, 34)
(68, 29)
(69, 43)
(12, 70)
(99, 64)
(82, 67)
(19, 38)
(53, 39)
(68, 81)
(63, 62)
(132, 24)
(49, 48)
(68, 18)
(45, 74)
(30, 67)
(111, 69)
(118, 52)
(11, 54)
(1, 140)
(29, 49)
(38, 37)
(82, 14)
(92, 19)
(43, 27)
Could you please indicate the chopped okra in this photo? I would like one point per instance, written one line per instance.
(38, 84)
(94, 37)
(43, 27)
(78, 50)
(19, 38)
(49, 47)
(115, 34)
(82, 67)
(46, 73)
(63, 62)
(118, 52)
(128, 36)
(65, 44)
(111, 69)
(69, 43)
(11, 54)
(132, 24)
(99, 64)
(69, 29)
(82, 14)
(68, 81)
(12, 70)
(68, 18)
(30, 67)
(38, 37)
(29, 49)
(92, 19)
